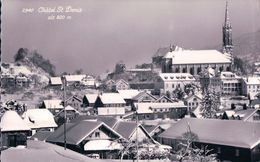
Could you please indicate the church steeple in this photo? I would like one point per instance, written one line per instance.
(227, 33)
(227, 37)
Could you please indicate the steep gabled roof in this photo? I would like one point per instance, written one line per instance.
(91, 97)
(122, 81)
(53, 104)
(76, 132)
(110, 121)
(234, 133)
(11, 121)
(164, 97)
(39, 118)
(74, 97)
(127, 129)
(142, 94)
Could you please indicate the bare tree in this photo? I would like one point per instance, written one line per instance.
(188, 151)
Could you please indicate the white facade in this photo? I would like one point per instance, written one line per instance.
(111, 111)
(170, 81)
(194, 61)
(230, 83)
(251, 86)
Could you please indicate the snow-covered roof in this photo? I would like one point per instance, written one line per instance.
(111, 98)
(197, 95)
(197, 57)
(39, 118)
(91, 97)
(252, 80)
(11, 121)
(176, 76)
(228, 75)
(128, 93)
(74, 78)
(102, 144)
(235, 133)
(44, 152)
(230, 112)
(148, 107)
(55, 81)
(53, 104)
(120, 81)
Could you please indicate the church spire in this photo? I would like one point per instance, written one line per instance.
(227, 22)
(227, 33)
(227, 36)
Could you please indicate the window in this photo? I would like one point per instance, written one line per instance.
(172, 85)
(237, 152)
(97, 134)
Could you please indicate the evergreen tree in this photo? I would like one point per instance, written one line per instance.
(210, 104)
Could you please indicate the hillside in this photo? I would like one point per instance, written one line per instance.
(246, 47)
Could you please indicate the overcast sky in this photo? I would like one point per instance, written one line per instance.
(107, 31)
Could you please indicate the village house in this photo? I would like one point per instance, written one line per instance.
(230, 84)
(163, 99)
(168, 82)
(144, 96)
(14, 131)
(96, 137)
(54, 106)
(109, 100)
(39, 119)
(89, 81)
(89, 100)
(55, 82)
(121, 84)
(251, 86)
(128, 130)
(152, 110)
(109, 84)
(193, 101)
(128, 95)
(74, 101)
(22, 81)
(74, 80)
(244, 115)
(231, 140)
(7, 80)
(71, 113)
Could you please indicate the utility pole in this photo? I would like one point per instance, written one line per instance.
(137, 156)
(65, 113)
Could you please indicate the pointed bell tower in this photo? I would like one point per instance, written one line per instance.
(227, 46)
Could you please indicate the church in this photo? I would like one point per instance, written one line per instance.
(194, 61)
